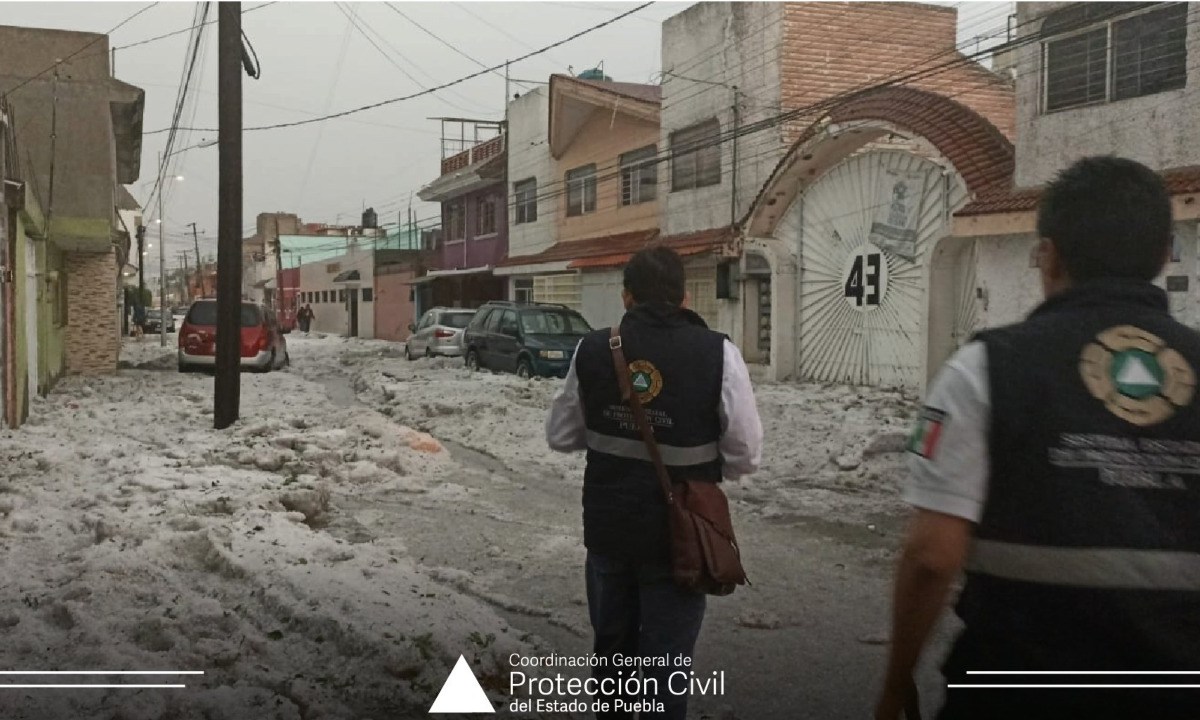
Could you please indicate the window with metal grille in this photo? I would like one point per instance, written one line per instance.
(639, 176)
(523, 290)
(455, 222)
(581, 191)
(559, 289)
(485, 216)
(1113, 51)
(525, 201)
(696, 156)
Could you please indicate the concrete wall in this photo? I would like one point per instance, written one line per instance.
(93, 344)
(601, 141)
(480, 250)
(529, 156)
(1162, 130)
(1185, 305)
(394, 307)
(732, 44)
(332, 315)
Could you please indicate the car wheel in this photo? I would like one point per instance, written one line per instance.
(524, 369)
(473, 361)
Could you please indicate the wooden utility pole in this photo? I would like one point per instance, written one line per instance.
(187, 273)
(227, 388)
(199, 265)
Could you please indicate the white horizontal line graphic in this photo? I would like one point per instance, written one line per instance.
(1083, 672)
(101, 672)
(4, 686)
(1073, 686)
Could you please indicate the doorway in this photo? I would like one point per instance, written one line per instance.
(352, 304)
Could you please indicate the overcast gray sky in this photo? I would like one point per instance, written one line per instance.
(315, 61)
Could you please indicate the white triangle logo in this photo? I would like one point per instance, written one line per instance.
(1135, 373)
(461, 693)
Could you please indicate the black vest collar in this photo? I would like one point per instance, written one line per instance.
(1109, 292)
(664, 315)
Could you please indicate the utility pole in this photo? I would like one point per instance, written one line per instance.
(162, 262)
(187, 273)
(141, 240)
(733, 168)
(199, 266)
(227, 388)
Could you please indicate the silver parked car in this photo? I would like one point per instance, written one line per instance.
(438, 333)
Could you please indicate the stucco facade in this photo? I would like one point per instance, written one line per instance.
(345, 308)
(1159, 129)
(529, 159)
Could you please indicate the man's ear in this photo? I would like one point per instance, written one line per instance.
(687, 300)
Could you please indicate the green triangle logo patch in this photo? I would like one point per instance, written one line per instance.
(641, 382)
(1137, 374)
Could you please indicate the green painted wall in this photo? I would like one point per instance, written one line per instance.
(21, 299)
(52, 337)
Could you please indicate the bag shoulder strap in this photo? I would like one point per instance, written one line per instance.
(629, 397)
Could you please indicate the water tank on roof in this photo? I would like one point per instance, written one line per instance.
(369, 219)
(596, 73)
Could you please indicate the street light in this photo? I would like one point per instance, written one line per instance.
(162, 258)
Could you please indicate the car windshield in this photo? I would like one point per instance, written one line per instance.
(205, 313)
(551, 322)
(456, 320)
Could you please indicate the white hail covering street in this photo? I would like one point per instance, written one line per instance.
(369, 520)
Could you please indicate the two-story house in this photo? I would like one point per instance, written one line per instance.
(596, 201)
(835, 140)
(1093, 79)
(472, 193)
(68, 120)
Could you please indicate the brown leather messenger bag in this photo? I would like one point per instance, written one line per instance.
(704, 552)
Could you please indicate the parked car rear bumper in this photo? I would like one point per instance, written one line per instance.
(450, 348)
(259, 361)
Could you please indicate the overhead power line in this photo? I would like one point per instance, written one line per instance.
(432, 90)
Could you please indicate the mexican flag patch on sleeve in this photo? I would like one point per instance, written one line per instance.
(925, 437)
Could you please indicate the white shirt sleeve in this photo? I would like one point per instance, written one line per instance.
(950, 460)
(741, 428)
(566, 428)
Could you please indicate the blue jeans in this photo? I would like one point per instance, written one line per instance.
(637, 610)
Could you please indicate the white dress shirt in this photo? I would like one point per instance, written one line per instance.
(741, 429)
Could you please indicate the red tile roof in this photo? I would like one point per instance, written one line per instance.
(615, 250)
(1179, 181)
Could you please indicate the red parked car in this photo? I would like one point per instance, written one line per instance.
(263, 346)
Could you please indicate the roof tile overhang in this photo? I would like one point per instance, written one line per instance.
(1179, 181)
(468, 179)
(610, 251)
(126, 105)
(572, 102)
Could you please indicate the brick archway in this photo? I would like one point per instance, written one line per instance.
(979, 152)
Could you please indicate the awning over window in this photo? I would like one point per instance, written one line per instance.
(348, 276)
(435, 274)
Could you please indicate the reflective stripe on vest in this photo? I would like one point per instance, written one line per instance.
(636, 450)
(1106, 568)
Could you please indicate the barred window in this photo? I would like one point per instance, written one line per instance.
(581, 191)
(525, 201)
(639, 176)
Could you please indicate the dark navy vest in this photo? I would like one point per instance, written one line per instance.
(1087, 556)
(676, 366)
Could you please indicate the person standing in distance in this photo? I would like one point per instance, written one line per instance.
(697, 393)
(1057, 460)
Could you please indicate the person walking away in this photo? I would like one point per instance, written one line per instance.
(139, 320)
(305, 317)
(1058, 461)
(696, 390)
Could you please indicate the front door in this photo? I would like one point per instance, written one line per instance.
(352, 303)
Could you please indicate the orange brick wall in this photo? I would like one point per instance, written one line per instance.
(93, 342)
(836, 47)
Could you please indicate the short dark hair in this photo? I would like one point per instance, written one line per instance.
(655, 275)
(1108, 217)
